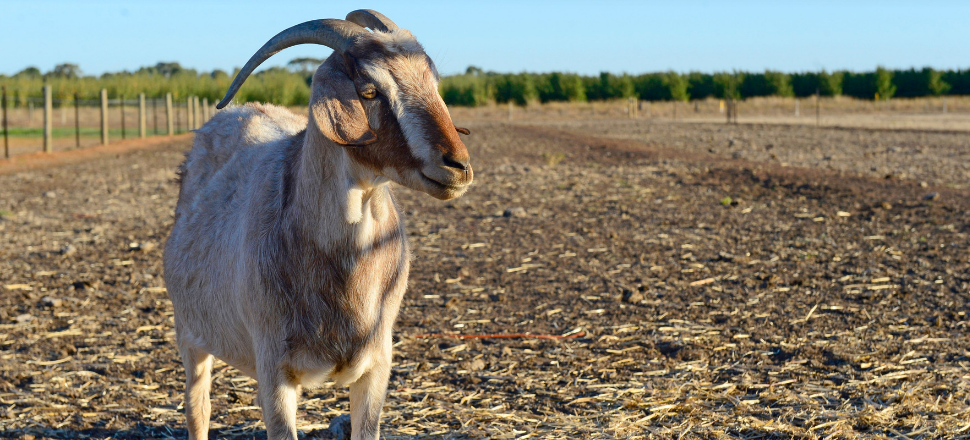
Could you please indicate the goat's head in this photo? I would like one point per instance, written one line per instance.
(377, 95)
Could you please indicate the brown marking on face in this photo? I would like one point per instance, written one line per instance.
(405, 82)
(416, 78)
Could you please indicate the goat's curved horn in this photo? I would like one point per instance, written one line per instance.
(333, 33)
(372, 19)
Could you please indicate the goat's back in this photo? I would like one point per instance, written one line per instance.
(230, 131)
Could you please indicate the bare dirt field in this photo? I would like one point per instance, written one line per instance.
(842, 112)
(771, 293)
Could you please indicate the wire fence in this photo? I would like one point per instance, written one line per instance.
(33, 124)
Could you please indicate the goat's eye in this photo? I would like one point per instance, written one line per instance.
(369, 93)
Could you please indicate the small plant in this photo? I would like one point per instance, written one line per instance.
(4, 213)
(553, 159)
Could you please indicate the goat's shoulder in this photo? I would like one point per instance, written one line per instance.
(240, 127)
(247, 130)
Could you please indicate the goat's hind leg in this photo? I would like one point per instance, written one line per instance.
(198, 380)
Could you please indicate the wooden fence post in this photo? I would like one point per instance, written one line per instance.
(189, 115)
(818, 112)
(104, 117)
(6, 142)
(168, 114)
(48, 123)
(197, 112)
(77, 122)
(141, 115)
(121, 101)
(155, 116)
(205, 110)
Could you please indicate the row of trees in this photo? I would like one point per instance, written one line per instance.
(476, 87)
(285, 86)
(290, 85)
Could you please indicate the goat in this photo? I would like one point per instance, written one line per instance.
(288, 258)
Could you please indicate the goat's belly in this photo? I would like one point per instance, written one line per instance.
(315, 378)
(317, 375)
(224, 339)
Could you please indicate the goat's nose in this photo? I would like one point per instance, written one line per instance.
(455, 162)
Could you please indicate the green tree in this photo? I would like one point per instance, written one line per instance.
(469, 90)
(779, 83)
(677, 86)
(519, 88)
(959, 81)
(727, 85)
(613, 86)
(936, 84)
(883, 81)
(830, 84)
(858, 85)
(66, 70)
(168, 69)
(304, 64)
(558, 86)
(769, 83)
(700, 85)
(652, 87)
(30, 72)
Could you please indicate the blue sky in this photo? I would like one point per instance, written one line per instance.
(507, 36)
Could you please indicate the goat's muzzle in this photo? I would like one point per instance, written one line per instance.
(449, 172)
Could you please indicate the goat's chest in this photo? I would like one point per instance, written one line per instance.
(345, 303)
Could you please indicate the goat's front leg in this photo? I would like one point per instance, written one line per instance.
(198, 380)
(367, 399)
(277, 396)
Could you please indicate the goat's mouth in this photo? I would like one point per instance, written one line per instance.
(439, 190)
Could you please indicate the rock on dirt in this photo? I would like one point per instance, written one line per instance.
(517, 211)
(340, 427)
(51, 301)
(26, 317)
(632, 296)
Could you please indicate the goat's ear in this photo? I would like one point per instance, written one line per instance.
(338, 111)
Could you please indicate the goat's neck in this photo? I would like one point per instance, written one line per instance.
(338, 201)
